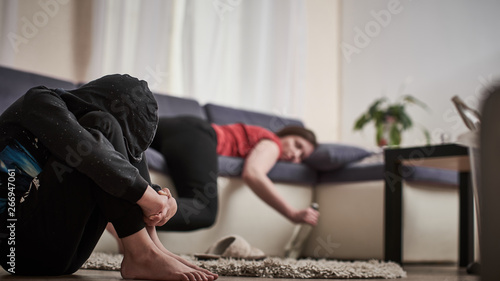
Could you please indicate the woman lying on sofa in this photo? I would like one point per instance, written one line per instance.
(190, 146)
(70, 162)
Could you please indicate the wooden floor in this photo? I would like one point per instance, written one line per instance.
(415, 272)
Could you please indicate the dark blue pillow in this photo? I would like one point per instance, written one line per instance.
(332, 156)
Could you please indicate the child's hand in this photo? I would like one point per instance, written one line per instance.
(157, 208)
(165, 191)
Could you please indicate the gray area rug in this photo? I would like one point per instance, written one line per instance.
(276, 267)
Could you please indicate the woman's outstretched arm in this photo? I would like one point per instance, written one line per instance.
(258, 163)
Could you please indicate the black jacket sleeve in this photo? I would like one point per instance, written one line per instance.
(46, 115)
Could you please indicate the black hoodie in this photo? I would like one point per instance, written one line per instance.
(50, 116)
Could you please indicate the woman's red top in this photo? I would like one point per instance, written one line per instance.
(239, 139)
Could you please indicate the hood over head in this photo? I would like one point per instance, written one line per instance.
(131, 102)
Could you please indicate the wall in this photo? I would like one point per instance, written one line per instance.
(43, 37)
(322, 100)
(438, 48)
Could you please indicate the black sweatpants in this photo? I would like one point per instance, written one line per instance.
(189, 145)
(60, 222)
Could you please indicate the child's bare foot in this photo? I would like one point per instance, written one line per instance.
(142, 259)
(193, 266)
(156, 265)
(154, 236)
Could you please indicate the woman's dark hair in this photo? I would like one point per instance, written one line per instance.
(298, 131)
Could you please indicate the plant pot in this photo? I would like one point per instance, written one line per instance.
(388, 134)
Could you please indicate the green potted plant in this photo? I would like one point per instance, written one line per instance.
(390, 119)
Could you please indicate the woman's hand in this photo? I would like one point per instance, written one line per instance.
(157, 208)
(309, 216)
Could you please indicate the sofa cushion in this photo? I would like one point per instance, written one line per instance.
(15, 83)
(362, 171)
(170, 106)
(155, 160)
(281, 172)
(354, 172)
(233, 166)
(223, 115)
(430, 175)
(332, 156)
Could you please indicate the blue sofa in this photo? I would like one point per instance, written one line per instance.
(356, 230)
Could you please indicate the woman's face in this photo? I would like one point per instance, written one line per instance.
(295, 148)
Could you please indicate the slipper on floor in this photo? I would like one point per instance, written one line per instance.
(233, 246)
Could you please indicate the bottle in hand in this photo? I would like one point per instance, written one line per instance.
(294, 247)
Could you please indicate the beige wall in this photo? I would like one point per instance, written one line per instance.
(438, 48)
(322, 101)
(43, 37)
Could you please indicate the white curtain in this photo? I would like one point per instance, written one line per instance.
(241, 53)
(134, 37)
(245, 53)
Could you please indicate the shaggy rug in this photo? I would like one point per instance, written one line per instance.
(276, 267)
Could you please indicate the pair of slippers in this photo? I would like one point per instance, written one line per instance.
(233, 246)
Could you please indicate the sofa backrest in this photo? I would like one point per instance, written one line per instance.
(15, 83)
(170, 106)
(226, 115)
